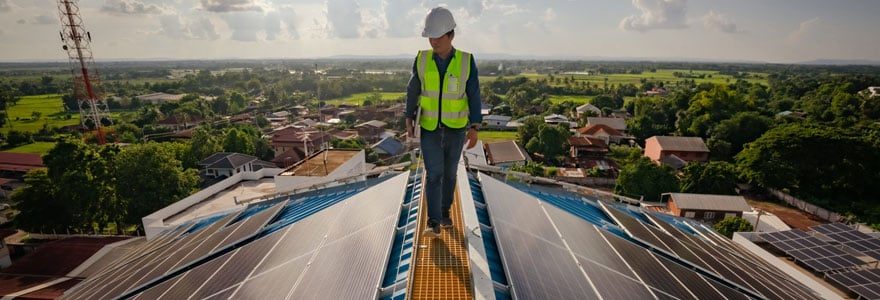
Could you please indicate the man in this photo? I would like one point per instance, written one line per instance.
(444, 91)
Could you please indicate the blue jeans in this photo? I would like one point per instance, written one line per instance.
(441, 151)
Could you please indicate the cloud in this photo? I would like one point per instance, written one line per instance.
(719, 22)
(344, 19)
(175, 27)
(251, 26)
(131, 7)
(44, 20)
(402, 17)
(289, 17)
(230, 5)
(4, 6)
(21, 21)
(657, 14)
(804, 30)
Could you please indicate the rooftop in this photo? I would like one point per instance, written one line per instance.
(710, 202)
(321, 163)
(616, 123)
(224, 200)
(679, 143)
(506, 151)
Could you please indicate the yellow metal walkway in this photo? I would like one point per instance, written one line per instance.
(441, 265)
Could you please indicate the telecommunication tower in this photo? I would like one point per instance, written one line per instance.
(93, 110)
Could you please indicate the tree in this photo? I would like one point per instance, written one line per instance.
(529, 129)
(646, 179)
(716, 177)
(730, 225)
(39, 208)
(728, 137)
(707, 108)
(149, 177)
(551, 141)
(239, 142)
(16, 138)
(607, 101)
(35, 115)
(202, 145)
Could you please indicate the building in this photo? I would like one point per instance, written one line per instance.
(873, 91)
(326, 165)
(371, 131)
(307, 139)
(704, 207)
(178, 122)
(289, 157)
(657, 91)
(226, 164)
(586, 147)
(604, 132)
(556, 119)
(586, 107)
(388, 146)
(506, 154)
(496, 121)
(669, 149)
(15, 165)
(618, 124)
(361, 240)
(159, 98)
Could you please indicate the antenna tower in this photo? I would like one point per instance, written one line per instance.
(86, 82)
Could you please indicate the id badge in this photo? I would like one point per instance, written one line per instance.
(452, 86)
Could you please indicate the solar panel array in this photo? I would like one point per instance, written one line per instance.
(864, 283)
(728, 263)
(816, 254)
(852, 238)
(550, 253)
(298, 249)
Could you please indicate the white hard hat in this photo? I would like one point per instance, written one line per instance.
(438, 22)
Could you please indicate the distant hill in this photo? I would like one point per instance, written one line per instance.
(842, 62)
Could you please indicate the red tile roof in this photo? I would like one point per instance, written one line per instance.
(595, 128)
(20, 162)
(586, 141)
(57, 258)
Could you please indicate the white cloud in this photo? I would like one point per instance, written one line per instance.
(231, 5)
(804, 30)
(132, 7)
(4, 6)
(719, 22)
(175, 27)
(44, 19)
(289, 17)
(403, 17)
(344, 19)
(549, 15)
(273, 25)
(21, 21)
(657, 14)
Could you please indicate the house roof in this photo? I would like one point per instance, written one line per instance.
(160, 97)
(586, 141)
(389, 145)
(555, 118)
(587, 107)
(506, 151)
(679, 143)
(20, 161)
(673, 161)
(616, 123)
(373, 123)
(300, 136)
(593, 129)
(227, 160)
(710, 202)
(292, 155)
(498, 118)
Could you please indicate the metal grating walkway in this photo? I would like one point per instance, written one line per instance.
(441, 266)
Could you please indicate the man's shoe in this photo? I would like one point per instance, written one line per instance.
(446, 222)
(432, 230)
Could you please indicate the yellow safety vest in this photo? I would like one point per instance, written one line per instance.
(454, 99)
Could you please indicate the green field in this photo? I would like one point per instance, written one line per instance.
(496, 136)
(37, 147)
(52, 113)
(358, 99)
(556, 99)
(665, 75)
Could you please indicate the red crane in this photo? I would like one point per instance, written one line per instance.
(86, 82)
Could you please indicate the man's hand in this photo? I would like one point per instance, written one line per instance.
(471, 138)
(410, 133)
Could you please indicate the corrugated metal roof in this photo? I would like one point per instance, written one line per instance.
(616, 123)
(710, 202)
(680, 143)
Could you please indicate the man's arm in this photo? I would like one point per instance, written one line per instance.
(413, 91)
(473, 93)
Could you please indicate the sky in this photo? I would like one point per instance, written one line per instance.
(782, 31)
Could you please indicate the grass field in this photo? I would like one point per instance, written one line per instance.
(665, 75)
(358, 99)
(555, 99)
(37, 147)
(52, 113)
(496, 136)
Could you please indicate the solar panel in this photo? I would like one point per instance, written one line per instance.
(635, 228)
(848, 236)
(864, 283)
(811, 251)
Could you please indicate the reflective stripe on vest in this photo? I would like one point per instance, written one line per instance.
(452, 94)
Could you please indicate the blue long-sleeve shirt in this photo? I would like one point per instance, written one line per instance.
(472, 89)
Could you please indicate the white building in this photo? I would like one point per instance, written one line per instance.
(326, 165)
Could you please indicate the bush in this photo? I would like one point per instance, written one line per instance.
(15, 138)
(733, 224)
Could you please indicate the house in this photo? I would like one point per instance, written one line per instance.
(322, 166)
(388, 146)
(556, 119)
(618, 124)
(496, 121)
(226, 164)
(506, 154)
(581, 110)
(710, 208)
(288, 158)
(371, 130)
(394, 111)
(661, 149)
(587, 147)
(657, 91)
(307, 139)
(15, 165)
(873, 91)
(300, 110)
(485, 109)
(305, 123)
(604, 132)
(175, 122)
(159, 98)
(791, 114)
(244, 118)
(343, 134)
